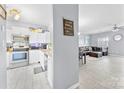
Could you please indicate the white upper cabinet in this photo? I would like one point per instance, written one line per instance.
(47, 37)
(34, 37)
(20, 31)
(41, 38)
(37, 37)
(16, 31)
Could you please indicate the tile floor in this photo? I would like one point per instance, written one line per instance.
(98, 73)
(24, 78)
(102, 73)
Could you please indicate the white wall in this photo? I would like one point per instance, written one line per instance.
(3, 79)
(65, 48)
(50, 59)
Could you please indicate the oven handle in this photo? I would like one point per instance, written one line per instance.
(20, 52)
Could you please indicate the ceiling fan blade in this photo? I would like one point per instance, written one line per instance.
(121, 27)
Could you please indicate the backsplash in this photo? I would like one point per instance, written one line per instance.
(38, 45)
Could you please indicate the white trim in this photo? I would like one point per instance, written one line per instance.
(50, 83)
(76, 85)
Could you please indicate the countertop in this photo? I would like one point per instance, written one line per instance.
(45, 51)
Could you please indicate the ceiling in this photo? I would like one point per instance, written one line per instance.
(93, 18)
(40, 14)
(96, 18)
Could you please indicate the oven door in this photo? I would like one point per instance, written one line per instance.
(19, 56)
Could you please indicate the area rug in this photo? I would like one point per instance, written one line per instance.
(38, 70)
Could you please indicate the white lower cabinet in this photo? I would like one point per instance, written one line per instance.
(36, 56)
(33, 37)
(42, 60)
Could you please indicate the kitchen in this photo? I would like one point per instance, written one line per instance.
(23, 47)
(28, 46)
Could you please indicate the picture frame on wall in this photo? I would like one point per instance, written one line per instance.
(3, 12)
(68, 27)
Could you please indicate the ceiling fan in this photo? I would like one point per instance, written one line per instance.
(117, 28)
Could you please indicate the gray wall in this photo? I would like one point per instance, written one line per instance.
(3, 71)
(115, 47)
(65, 48)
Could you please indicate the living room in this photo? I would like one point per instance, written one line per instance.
(101, 41)
(101, 30)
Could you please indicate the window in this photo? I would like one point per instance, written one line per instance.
(103, 42)
(84, 40)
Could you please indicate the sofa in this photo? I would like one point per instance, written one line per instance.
(98, 51)
(94, 51)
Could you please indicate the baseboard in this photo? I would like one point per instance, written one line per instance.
(76, 85)
(115, 55)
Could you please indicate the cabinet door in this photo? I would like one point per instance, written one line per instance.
(33, 37)
(42, 60)
(41, 38)
(34, 56)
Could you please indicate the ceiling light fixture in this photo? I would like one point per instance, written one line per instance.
(35, 29)
(15, 13)
(115, 28)
(17, 17)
